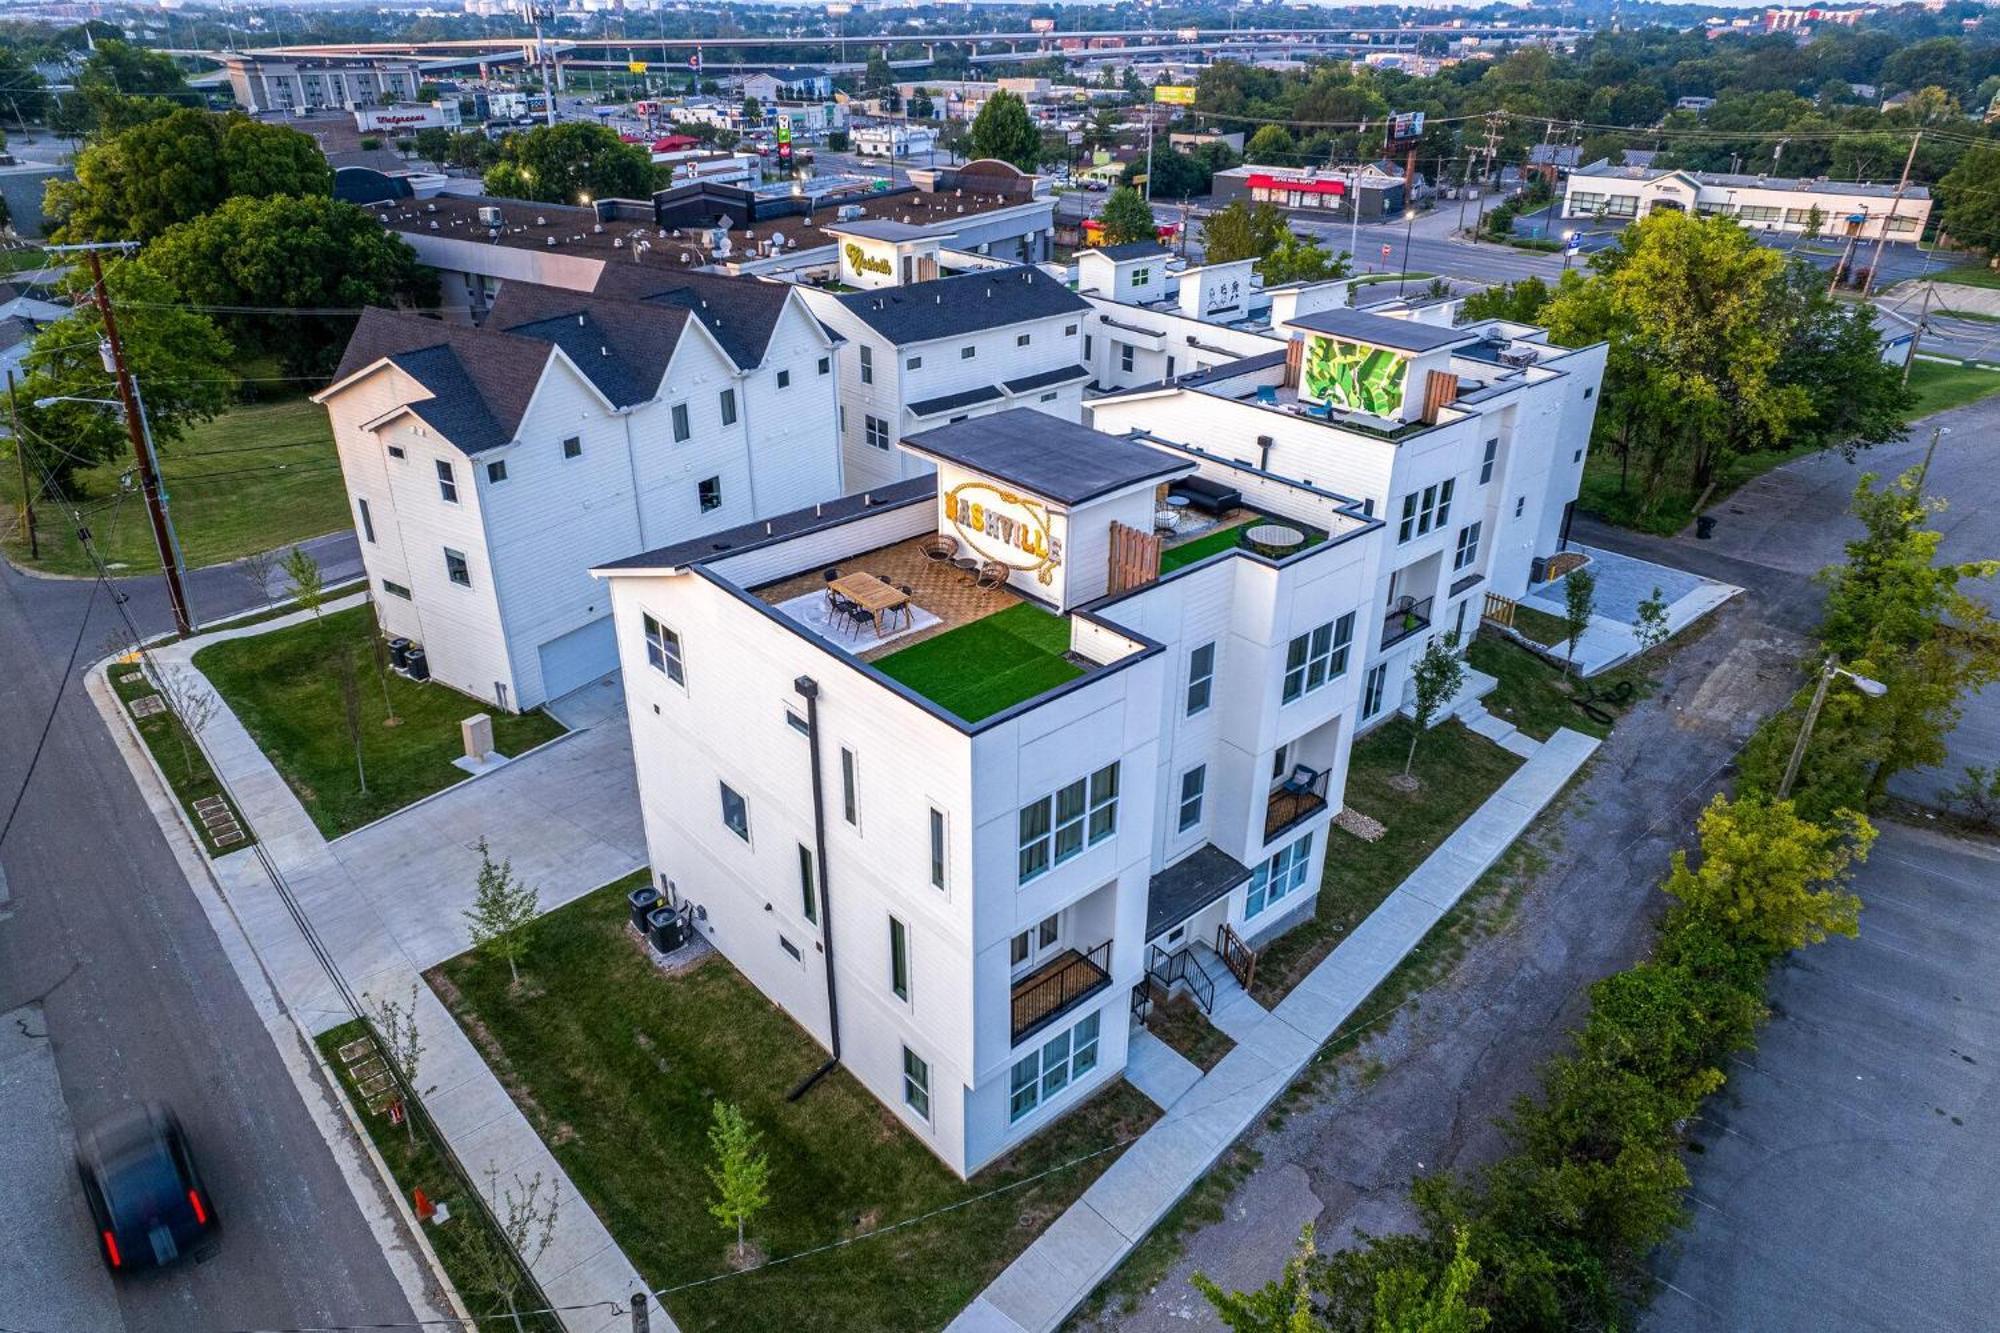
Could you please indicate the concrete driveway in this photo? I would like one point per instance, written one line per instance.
(1848, 1171)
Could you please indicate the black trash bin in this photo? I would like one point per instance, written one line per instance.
(664, 929)
(416, 664)
(1704, 527)
(399, 652)
(642, 901)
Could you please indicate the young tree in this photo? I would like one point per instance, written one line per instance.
(1579, 602)
(503, 912)
(1815, 223)
(257, 570)
(1003, 129)
(434, 143)
(1127, 218)
(1769, 878)
(1436, 677)
(1302, 259)
(740, 1173)
(193, 705)
(1280, 1306)
(402, 1046)
(1241, 231)
(501, 1266)
(1408, 1300)
(378, 648)
(308, 587)
(1521, 302)
(350, 707)
(1650, 627)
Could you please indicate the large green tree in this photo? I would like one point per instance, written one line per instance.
(1127, 218)
(1003, 129)
(316, 260)
(570, 164)
(1260, 232)
(22, 94)
(1971, 195)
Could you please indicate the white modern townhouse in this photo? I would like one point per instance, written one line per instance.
(1469, 442)
(1153, 320)
(948, 766)
(488, 469)
(919, 350)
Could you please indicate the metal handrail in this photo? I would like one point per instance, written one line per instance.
(1409, 616)
(1299, 803)
(1181, 965)
(1082, 976)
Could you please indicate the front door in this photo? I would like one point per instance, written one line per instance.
(1036, 945)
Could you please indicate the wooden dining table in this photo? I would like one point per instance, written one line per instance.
(871, 594)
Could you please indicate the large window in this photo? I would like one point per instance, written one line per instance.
(1201, 678)
(735, 812)
(916, 1083)
(1281, 876)
(447, 484)
(899, 959)
(1194, 784)
(1059, 1062)
(1468, 547)
(683, 429)
(1486, 460)
(1373, 688)
(1316, 657)
(1063, 823)
(663, 650)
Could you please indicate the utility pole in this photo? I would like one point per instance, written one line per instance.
(142, 440)
(1916, 341)
(21, 456)
(1882, 240)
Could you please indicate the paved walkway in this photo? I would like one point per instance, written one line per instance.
(1624, 581)
(1081, 1248)
(385, 902)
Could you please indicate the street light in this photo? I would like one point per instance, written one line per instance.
(1874, 689)
(1409, 223)
(1569, 238)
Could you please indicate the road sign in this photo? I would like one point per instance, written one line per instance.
(1385, 251)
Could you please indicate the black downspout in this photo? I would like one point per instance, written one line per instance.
(809, 689)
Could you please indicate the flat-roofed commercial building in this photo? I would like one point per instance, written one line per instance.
(1869, 210)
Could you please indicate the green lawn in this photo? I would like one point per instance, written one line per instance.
(1227, 539)
(188, 773)
(1967, 275)
(1370, 279)
(1551, 631)
(1179, 1023)
(618, 1066)
(415, 1161)
(993, 663)
(1939, 386)
(284, 688)
(1458, 771)
(1533, 694)
(1980, 315)
(1602, 494)
(259, 476)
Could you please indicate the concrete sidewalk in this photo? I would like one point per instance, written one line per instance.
(384, 901)
(1623, 581)
(1081, 1248)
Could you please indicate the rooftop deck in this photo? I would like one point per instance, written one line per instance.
(942, 595)
(1230, 531)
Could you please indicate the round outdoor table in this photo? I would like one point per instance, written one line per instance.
(1177, 502)
(1275, 538)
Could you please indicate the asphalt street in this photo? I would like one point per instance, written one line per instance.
(114, 988)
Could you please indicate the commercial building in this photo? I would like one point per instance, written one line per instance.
(1863, 209)
(488, 469)
(290, 85)
(407, 118)
(1378, 187)
(894, 140)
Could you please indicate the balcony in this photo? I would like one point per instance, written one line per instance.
(1295, 800)
(1058, 986)
(1407, 616)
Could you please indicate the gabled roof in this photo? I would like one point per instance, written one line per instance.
(741, 312)
(967, 303)
(623, 346)
(1129, 250)
(480, 381)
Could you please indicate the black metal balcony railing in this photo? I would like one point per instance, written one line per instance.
(1407, 616)
(1058, 986)
(1295, 800)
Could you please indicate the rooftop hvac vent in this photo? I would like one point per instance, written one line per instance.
(430, 208)
(541, 221)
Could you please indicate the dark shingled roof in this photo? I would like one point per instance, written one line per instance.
(1060, 375)
(784, 526)
(480, 380)
(930, 407)
(1129, 250)
(741, 312)
(1056, 460)
(1190, 884)
(1402, 335)
(623, 346)
(967, 303)
(16, 329)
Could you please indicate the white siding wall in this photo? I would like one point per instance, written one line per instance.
(1177, 336)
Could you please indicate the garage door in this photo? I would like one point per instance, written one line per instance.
(578, 657)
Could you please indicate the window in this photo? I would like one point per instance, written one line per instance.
(916, 1083)
(850, 801)
(1062, 1059)
(791, 949)
(1372, 690)
(1284, 874)
(1194, 783)
(735, 813)
(1486, 460)
(1201, 678)
(1021, 340)
(1125, 356)
(784, 379)
(1049, 397)
(1069, 330)
(899, 959)
(663, 650)
(728, 398)
(867, 364)
(1468, 547)
(1757, 213)
(1086, 347)
(496, 471)
(1316, 657)
(682, 429)
(1142, 276)
(572, 448)
(1030, 946)
(1622, 206)
(797, 723)
(396, 589)
(367, 519)
(1421, 514)
(1901, 224)
(456, 569)
(395, 451)
(937, 849)
(447, 484)
(1587, 394)
(914, 363)
(708, 493)
(808, 895)
(1444, 503)
(1061, 824)
(1520, 504)
(968, 352)
(1578, 458)
(877, 431)
(826, 365)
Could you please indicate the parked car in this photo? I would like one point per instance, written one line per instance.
(144, 1192)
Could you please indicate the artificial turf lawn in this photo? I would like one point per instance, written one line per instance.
(1202, 547)
(993, 663)
(618, 1067)
(283, 687)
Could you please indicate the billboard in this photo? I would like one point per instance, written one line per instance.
(1353, 376)
(1406, 127)
(1179, 94)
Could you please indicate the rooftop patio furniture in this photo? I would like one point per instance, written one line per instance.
(1202, 493)
(968, 567)
(992, 575)
(940, 549)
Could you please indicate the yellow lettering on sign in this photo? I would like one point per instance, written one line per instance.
(861, 262)
(1012, 529)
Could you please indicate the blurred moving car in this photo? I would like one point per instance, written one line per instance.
(144, 1192)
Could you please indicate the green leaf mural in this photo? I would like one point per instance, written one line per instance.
(1355, 376)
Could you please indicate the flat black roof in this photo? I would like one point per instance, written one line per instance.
(1052, 459)
(745, 536)
(1402, 335)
